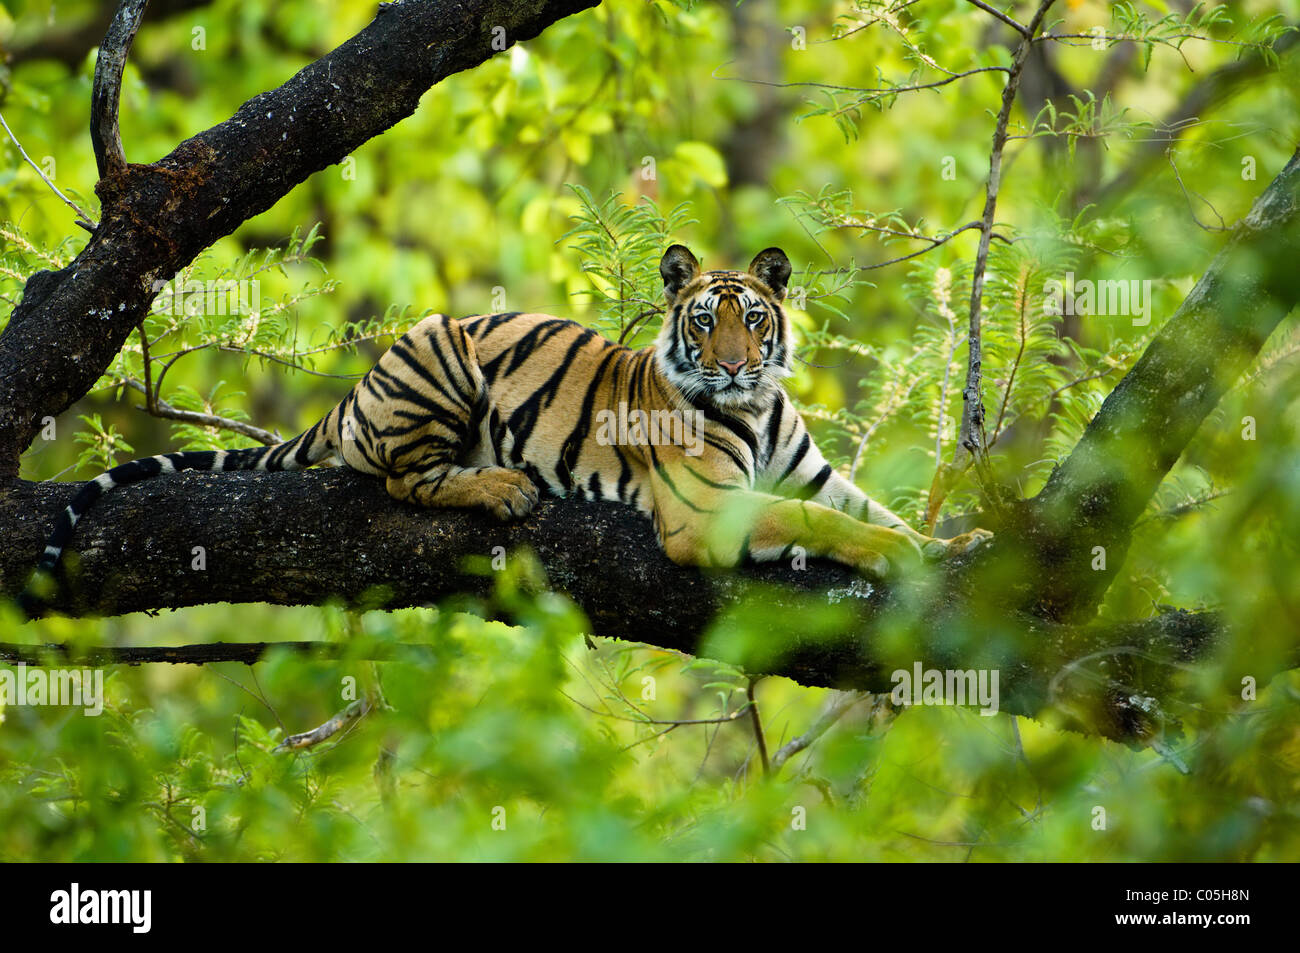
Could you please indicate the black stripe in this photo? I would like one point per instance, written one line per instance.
(663, 475)
(412, 361)
(525, 347)
(799, 454)
(460, 350)
(572, 445)
(773, 432)
(446, 368)
(718, 444)
(302, 456)
(489, 322)
(811, 488)
(705, 480)
(624, 477)
(524, 418)
(479, 412)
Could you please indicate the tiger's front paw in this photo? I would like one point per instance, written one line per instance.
(958, 545)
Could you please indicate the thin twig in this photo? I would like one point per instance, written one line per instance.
(971, 438)
(648, 720)
(84, 220)
(157, 407)
(934, 243)
(1167, 40)
(870, 96)
(147, 389)
(757, 722)
(1025, 31)
(1015, 365)
(1222, 226)
(837, 706)
(1080, 380)
(1182, 509)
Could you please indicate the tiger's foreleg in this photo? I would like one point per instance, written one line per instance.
(840, 494)
(805, 474)
(778, 528)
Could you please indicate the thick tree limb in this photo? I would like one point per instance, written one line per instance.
(308, 538)
(156, 218)
(207, 653)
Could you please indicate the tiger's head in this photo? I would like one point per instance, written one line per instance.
(725, 339)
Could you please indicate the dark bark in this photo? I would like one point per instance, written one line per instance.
(207, 653)
(156, 218)
(106, 89)
(308, 538)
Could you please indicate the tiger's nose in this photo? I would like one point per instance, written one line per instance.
(733, 367)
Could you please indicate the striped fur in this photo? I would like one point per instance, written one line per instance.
(489, 411)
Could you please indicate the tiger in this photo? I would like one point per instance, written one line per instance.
(489, 412)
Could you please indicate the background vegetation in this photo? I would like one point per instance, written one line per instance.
(549, 180)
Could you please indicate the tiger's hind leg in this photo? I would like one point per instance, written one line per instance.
(503, 492)
(424, 419)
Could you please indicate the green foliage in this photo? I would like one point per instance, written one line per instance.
(1086, 119)
(103, 445)
(229, 405)
(620, 246)
(20, 258)
(859, 174)
(1202, 21)
(520, 743)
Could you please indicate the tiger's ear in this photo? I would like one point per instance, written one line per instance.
(772, 267)
(678, 267)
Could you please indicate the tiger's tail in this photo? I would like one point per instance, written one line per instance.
(309, 447)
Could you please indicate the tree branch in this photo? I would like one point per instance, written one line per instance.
(1209, 93)
(322, 535)
(970, 439)
(208, 653)
(836, 706)
(1025, 31)
(82, 218)
(106, 89)
(157, 407)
